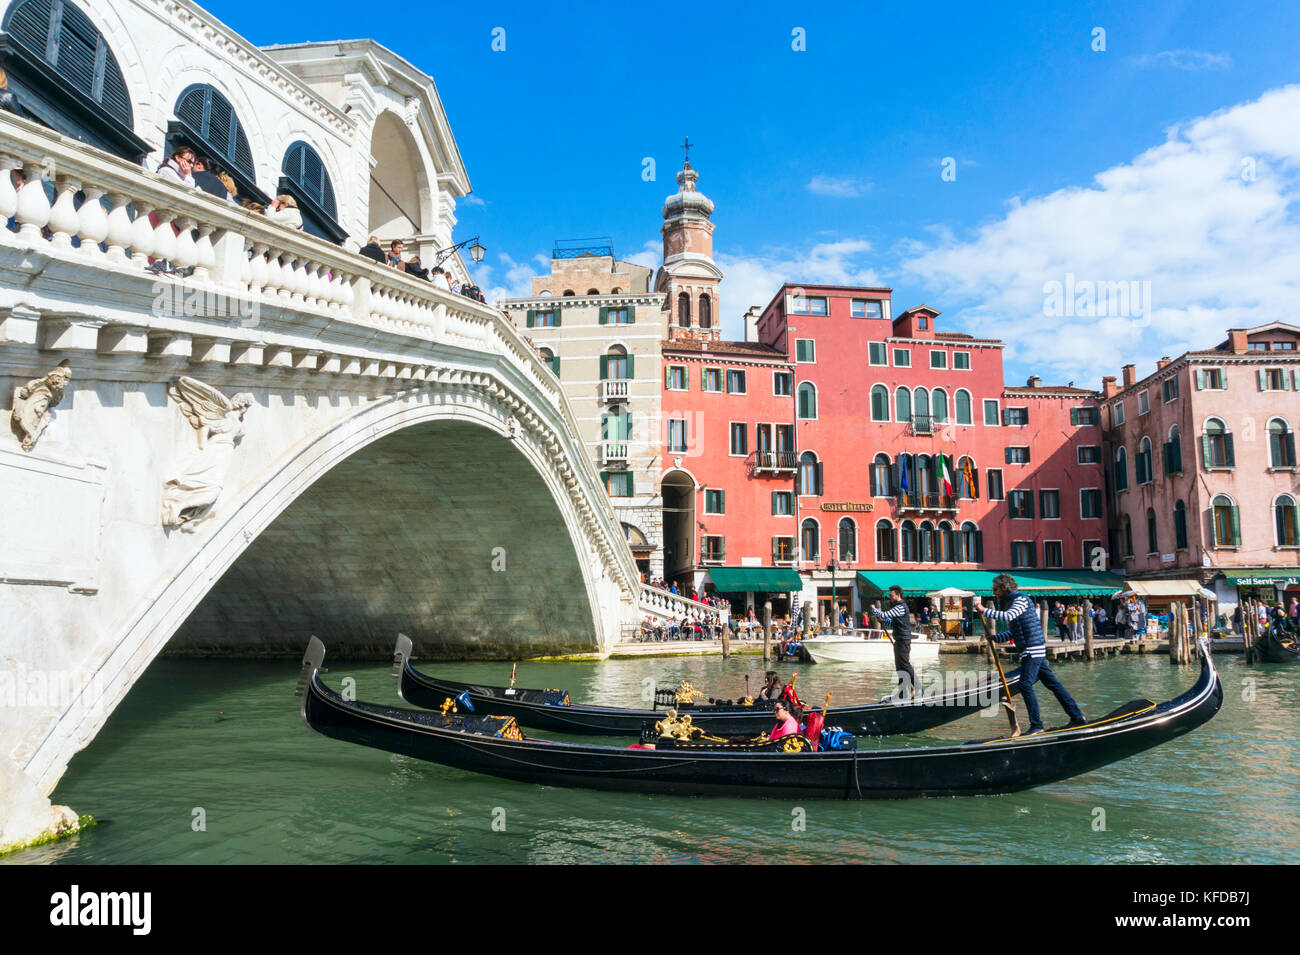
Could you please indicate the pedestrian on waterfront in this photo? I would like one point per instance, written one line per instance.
(1026, 633)
(900, 623)
(1099, 622)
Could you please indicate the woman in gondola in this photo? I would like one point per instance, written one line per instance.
(786, 724)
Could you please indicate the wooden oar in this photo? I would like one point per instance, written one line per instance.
(1011, 707)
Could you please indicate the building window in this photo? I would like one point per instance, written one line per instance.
(1083, 416)
(782, 384)
(939, 406)
(961, 361)
(1015, 417)
(1118, 413)
(996, 492)
(1281, 444)
(991, 416)
(712, 549)
(617, 365)
(902, 358)
(1210, 379)
(1180, 525)
(968, 479)
(1128, 536)
(714, 502)
(928, 552)
(1020, 504)
(1089, 454)
(1121, 470)
(782, 502)
(711, 380)
(938, 359)
(1142, 463)
(305, 170)
(1017, 455)
(547, 319)
(877, 353)
(552, 360)
(1090, 503)
(1144, 403)
(618, 483)
(809, 538)
(879, 403)
(1273, 379)
(902, 405)
(1169, 389)
(809, 305)
(1226, 521)
(1153, 545)
(617, 316)
(962, 402)
(882, 484)
(1023, 554)
(866, 308)
(1171, 452)
(684, 309)
(810, 474)
(1216, 445)
(739, 439)
(676, 378)
(706, 312)
(783, 550)
(908, 535)
(1049, 503)
(212, 121)
(1052, 556)
(1286, 519)
(805, 350)
(1094, 557)
(807, 401)
(886, 541)
(922, 323)
(735, 382)
(970, 544)
(846, 541)
(677, 435)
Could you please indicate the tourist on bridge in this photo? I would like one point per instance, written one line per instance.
(1026, 632)
(900, 622)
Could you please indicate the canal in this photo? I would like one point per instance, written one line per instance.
(209, 762)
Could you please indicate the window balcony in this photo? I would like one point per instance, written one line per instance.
(615, 389)
(921, 424)
(927, 503)
(775, 462)
(614, 453)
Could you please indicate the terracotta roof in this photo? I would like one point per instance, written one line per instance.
(1021, 391)
(749, 349)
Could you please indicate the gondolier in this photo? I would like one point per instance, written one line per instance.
(1026, 632)
(900, 623)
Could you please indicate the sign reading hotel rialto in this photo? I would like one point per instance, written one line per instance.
(848, 507)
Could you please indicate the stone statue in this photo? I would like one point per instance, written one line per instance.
(219, 421)
(33, 401)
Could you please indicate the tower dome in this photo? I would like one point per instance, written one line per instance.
(688, 200)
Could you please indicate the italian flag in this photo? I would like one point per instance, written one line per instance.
(945, 476)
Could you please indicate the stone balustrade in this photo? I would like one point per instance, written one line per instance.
(665, 604)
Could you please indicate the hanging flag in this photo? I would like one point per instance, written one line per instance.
(904, 460)
(945, 476)
(962, 486)
(969, 475)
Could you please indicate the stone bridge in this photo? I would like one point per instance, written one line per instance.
(287, 440)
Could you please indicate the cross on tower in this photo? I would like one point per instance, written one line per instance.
(687, 146)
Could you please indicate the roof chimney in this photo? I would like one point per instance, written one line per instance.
(1108, 387)
(751, 322)
(1034, 381)
(1237, 341)
(1162, 362)
(1130, 376)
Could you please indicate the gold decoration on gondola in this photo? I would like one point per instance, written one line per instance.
(687, 693)
(511, 730)
(682, 729)
(794, 744)
(448, 706)
(746, 701)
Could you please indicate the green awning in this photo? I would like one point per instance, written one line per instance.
(739, 580)
(1262, 577)
(1063, 583)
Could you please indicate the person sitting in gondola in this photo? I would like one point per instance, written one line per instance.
(772, 688)
(1026, 632)
(786, 724)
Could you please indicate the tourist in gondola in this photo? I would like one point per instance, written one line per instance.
(772, 687)
(900, 623)
(1026, 632)
(786, 724)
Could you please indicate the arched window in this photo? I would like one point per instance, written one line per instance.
(810, 474)
(207, 121)
(886, 541)
(809, 536)
(1128, 536)
(684, 309)
(1281, 444)
(1286, 518)
(613, 291)
(569, 293)
(921, 403)
(924, 474)
(706, 312)
(947, 543)
(596, 291)
(1142, 464)
(971, 546)
(615, 364)
(968, 478)
(1216, 445)
(1121, 469)
(1180, 525)
(909, 542)
(903, 405)
(1172, 452)
(1153, 545)
(939, 406)
(879, 403)
(882, 484)
(73, 56)
(928, 553)
(962, 402)
(307, 180)
(807, 400)
(847, 541)
(1225, 521)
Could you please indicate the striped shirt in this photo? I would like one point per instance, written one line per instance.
(1025, 626)
(898, 610)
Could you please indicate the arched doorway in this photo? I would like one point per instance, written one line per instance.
(678, 490)
(641, 548)
(399, 188)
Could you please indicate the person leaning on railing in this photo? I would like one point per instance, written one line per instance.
(285, 211)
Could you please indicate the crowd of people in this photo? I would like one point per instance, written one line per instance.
(1279, 617)
(412, 266)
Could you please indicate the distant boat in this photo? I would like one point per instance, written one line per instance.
(872, 646)
(1274, 647)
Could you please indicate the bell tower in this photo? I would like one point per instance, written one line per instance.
(689, 276)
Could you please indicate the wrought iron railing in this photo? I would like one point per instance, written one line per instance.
(775, 461)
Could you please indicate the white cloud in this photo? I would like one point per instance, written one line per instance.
(516, 283)
(1191, 60)
(753, 280)
(650, 256)
(1208, 218)
(472, 200)
(840, 187)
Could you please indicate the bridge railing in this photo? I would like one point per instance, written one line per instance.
(665, 604)
(114, 216)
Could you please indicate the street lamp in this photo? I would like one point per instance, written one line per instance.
(476, 251)
(835, 599)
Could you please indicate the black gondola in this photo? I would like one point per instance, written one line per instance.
(1274, 647)
(721, 768)
(552, 710)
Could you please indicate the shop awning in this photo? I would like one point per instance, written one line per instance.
(739, 580)
(1062, 583)
(1165, 588)
(1262, 577)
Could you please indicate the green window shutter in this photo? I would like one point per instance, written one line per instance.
(604, 479)
(631, 366)
(532, 317)
(774, 494)
(631, 314)
(1029, 504)
(1206, 460)
(1074, 416)
(604, 314)
(1288, 445)
(1262, 384)
(627, 426)
(558, 313)
(1199, 378)
(1234, 524)
(1229, 457)
(555, 365)
(604, 367)
(1223, 377)
(1294, 511)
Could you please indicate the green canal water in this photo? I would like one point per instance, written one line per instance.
(221, 742)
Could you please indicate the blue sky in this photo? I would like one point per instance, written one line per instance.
(1168, 158)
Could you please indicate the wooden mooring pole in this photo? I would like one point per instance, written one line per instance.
(1088, 630)
(1249, 626)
